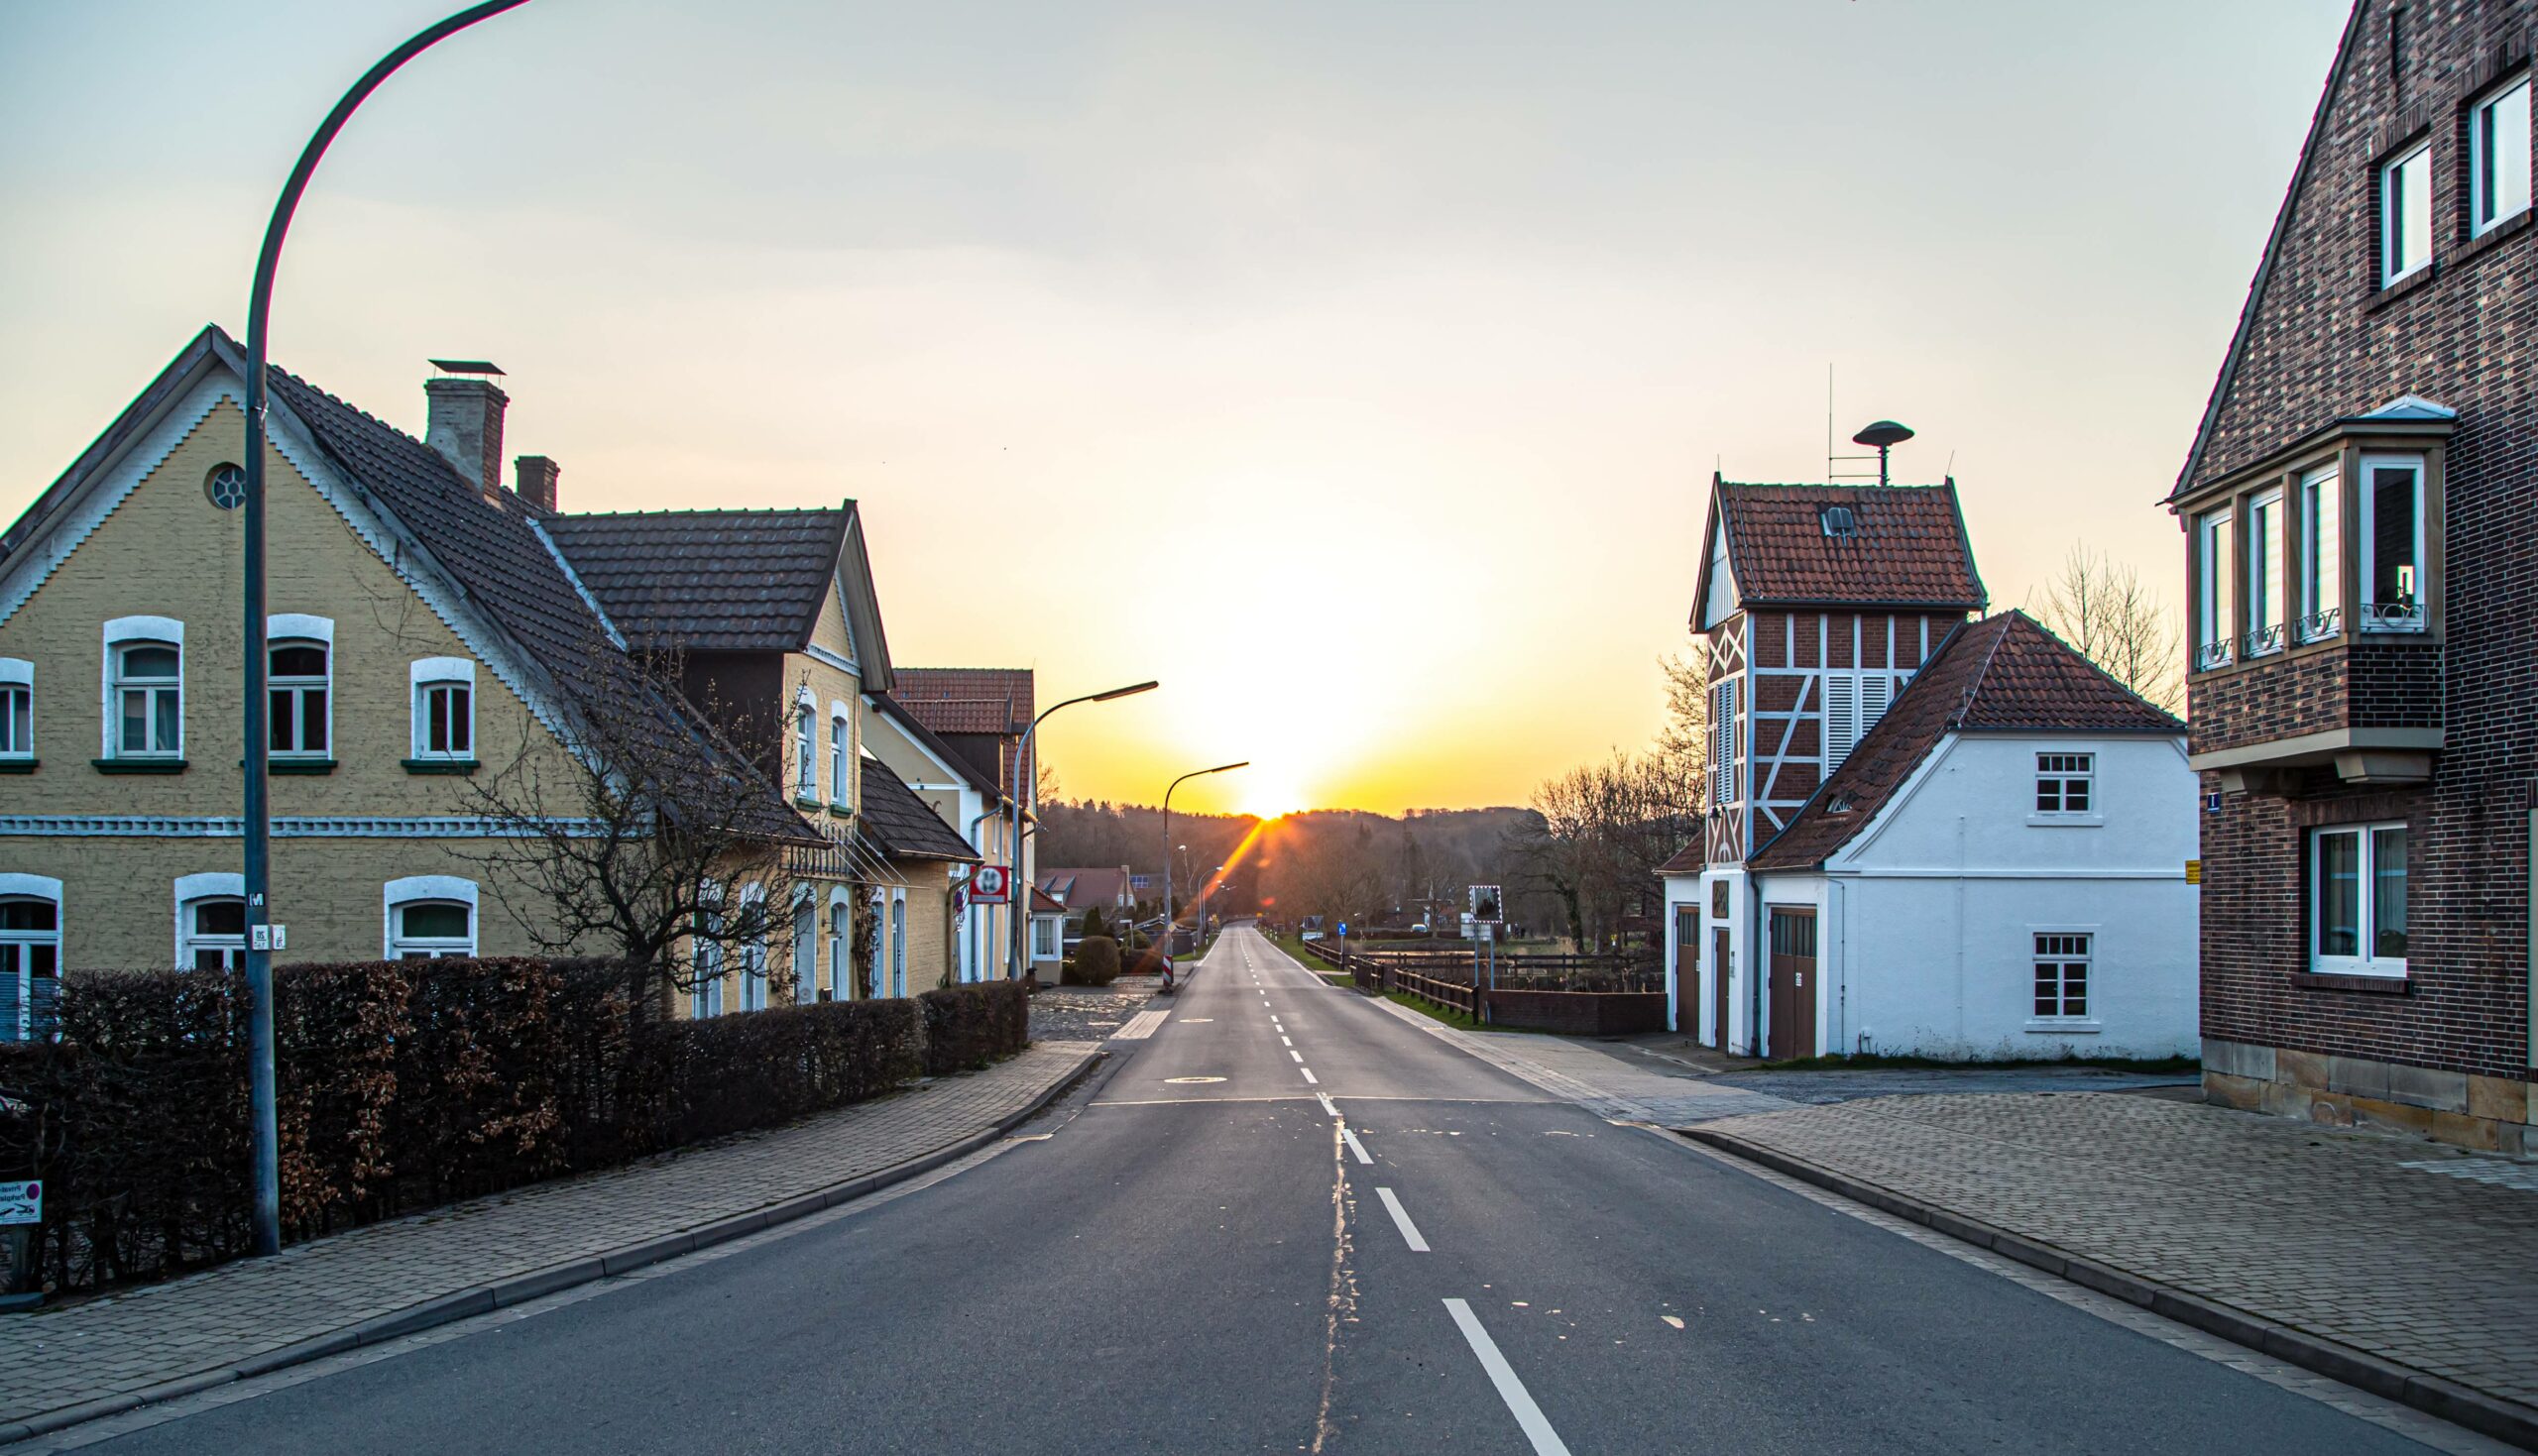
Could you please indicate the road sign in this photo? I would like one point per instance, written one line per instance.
(21, 1202)
(1485, 902)
(990, 884)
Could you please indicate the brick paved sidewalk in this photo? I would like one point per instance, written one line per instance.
(105, 1349)
(2406, 1251)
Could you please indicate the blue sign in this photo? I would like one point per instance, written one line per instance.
(2212, 802)
(1343, 927)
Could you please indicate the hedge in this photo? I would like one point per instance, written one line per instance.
(1096, 962)
(403, 1084)
(970, 1025)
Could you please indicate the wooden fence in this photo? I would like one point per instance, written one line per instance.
(1587, 995)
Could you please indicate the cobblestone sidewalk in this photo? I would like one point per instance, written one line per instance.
(99, 1350)
(2405, 1251)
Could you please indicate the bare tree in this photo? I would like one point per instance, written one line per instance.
(2099, 606)
(1603, 831)
(1683, 739)
(658, 833)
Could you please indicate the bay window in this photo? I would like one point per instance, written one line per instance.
(2321, 574)
(2358, 900)
(2264, 574)
(2392, 543)
(2498, 158)
(2405, 214)
(2215, 621)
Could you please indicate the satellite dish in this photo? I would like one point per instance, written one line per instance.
(1883, 434)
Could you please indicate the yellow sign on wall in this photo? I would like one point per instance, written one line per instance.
(2194, 872)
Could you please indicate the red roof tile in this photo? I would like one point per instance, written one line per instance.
(2001, 674)
(1690, 860)
(1908, 546)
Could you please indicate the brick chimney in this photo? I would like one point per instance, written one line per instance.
(464, 420)
(535, 475)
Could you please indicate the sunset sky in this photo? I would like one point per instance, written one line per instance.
(1356, 370)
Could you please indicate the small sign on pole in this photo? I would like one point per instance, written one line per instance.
(2194, 872)
(21, 1202)
(1485, 905)
(990, 884)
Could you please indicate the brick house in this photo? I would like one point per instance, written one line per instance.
(429, 625)
(2362, 583)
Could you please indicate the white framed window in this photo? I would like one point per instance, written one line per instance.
(2393, 584)
(754, 929)
(2062, 960)
(1853, 702)
(429, 915)
(300, 681)
(2358, 900)
(841, 747)
(1044, 938)
(2321, 554)
(2405, 214)
(2265, 594)
(17, 707)
(898, 943)
(1722, 742)
(444, 699)
(2499, 157)
(841, 953)
(211, 921)
(30, 954)
(2215, 594)
(806, 757)
(144, 688)
(707, 998)
(2066, 783)
(806, 953)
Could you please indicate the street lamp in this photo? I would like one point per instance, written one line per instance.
(1014, 961)
(1167, 840)
(259, 805)
(1206, 887)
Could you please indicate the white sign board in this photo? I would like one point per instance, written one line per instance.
(21, 1202)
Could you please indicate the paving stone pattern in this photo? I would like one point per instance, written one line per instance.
(2345, 1236)
(160, 1332)
(1090, 1013)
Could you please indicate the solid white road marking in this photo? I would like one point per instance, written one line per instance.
(1400, 1221)
(1529, 1416)
(1327, 1104)
(1354, 1146)
(1309, 1076)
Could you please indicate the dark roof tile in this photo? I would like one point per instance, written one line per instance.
(901, 823)
(708, 580)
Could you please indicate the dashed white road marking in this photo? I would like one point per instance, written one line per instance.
(1400, 1221)
(1327, 1104)
(1354, 1146)
(1309, 1076)
(1529, 1416)
(1283, 1042)
(1299, 1055)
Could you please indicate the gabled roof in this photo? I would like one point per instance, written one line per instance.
(926, 738)
(1042, 903)
(1906, 548)
(900, 824)
(1106, 886)
(2002, 674)
(966, 699)
(709, 579)
(2238, 336)
(1693, 858)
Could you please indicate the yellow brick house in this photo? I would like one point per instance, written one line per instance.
(426, 622)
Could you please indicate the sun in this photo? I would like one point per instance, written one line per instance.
(1268, 795)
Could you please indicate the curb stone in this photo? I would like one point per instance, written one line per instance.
(2491, 1415)
(538, 1282)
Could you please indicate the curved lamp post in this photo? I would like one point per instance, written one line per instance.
(1167, 840)
(1014, 960)
(259, 806)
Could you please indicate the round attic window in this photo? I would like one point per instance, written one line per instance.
(226, 485)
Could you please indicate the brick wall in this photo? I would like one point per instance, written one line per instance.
(2323, 343)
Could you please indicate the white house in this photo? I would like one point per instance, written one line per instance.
(1929, 832)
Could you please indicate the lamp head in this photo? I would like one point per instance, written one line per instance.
(1126, 692)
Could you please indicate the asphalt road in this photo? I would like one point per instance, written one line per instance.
(1199, 1259)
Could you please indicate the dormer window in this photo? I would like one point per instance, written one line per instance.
(2406, 213)
(2498, 158)
(1839, 523)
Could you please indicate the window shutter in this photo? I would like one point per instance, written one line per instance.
(1876, 693)
(11, 978)
(1841, 716)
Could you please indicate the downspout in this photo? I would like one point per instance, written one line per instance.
(979, 939)
(1960, 932)
(1838, 910)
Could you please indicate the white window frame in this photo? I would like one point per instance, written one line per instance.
(706, 954)
(1044, 937)
(2064, 957)
(2366, 901)
(755, 950)
(2393, 232)
(2269, 595)
(19, 946)
(1722, 728)
(806, 947)
(2320, 554)
(426, 674)
(289, 629)
(191, 890)
(421, 889)
(840, 755)
(2490, 206)
(17, 678)
(136, 631)
(806, 751)
(898, 943)
(2062, 768)
(2216, 625)
(2379, 616)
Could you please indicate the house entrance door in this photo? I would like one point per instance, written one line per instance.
(1792, 981)
(1718, 986)
(1687, 970)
